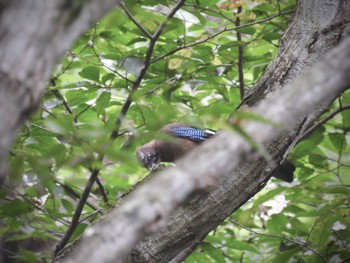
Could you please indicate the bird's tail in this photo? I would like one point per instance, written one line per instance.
(285, 172)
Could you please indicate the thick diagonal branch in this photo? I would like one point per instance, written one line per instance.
(148, 207)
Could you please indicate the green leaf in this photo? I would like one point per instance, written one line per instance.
(346, 117)
(112, 56)
(214, 252)
(137, 40)
(267, 196)
(80, 96)
(246, 30)
(240, 245)
(15, 207)
(308, 145)
(90, 72)
(16, 168)
(338, 140)
(78, 231)
(19, 237)
(59, 153)
(285, 256)
(108, 77)
(270, 36)
(319, 160)
(277, 223)
(300, 228)
(264, 7)
(27, 256)
(102, 102)
(68, 205)
(344, 172)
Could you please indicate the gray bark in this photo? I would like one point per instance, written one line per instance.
(225, 182)
(34, 34)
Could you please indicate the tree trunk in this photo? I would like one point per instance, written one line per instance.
(34, 34)
(317, 27)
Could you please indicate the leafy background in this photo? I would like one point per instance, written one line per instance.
(193, 77)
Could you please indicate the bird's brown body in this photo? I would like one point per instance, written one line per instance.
(172, 144)
(166, 148)
(173, 148)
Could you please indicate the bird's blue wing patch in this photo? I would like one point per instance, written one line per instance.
(190, 133)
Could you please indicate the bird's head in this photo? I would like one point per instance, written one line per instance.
(148, 156)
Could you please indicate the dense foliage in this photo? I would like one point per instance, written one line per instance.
(85, 124)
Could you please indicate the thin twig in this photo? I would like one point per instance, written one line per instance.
(74, 194)
(37, 207)
(99, 211)
(241, 257)
(147, 63)
(219, 33)
(102, 189)
(345, 246)
(41, 128)
(323, 121)
(131, 17)
(59, 96)
(132, 129)
(240, 55)
(48, 112)
(75, 219)
(298, 242)
(206, 9)
(115, 71)
(91, 45)
(80, 113)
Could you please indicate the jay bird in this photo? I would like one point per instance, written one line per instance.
(182, 139)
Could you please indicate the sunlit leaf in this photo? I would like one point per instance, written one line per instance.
(102, 102)
(92, 73)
